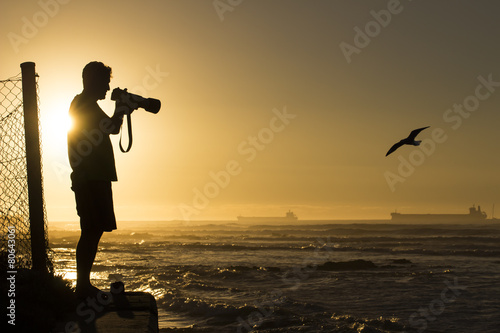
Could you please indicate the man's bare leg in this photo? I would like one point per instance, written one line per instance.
(86, 251)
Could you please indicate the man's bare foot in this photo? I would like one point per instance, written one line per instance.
(83, 292)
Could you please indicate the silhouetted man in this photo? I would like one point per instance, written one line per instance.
(92, 160)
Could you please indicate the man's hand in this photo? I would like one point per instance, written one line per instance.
(123, 108)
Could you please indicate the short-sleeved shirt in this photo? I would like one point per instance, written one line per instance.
(92, 160)
(89, 146)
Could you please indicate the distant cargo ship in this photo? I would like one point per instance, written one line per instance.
(289, 217)
(475, 215)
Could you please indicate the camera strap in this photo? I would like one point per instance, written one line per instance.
(129, 128)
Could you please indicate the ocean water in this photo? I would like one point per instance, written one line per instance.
(317, 276)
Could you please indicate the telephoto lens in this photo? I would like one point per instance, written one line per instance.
(134, 101)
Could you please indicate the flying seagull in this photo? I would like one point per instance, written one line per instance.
(410, 140)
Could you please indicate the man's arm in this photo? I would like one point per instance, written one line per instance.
(116, 123)
(121, 109)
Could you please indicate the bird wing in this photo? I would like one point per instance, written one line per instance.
(394, 147)
(414, 133)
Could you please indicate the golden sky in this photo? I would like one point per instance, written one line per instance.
(275, 105)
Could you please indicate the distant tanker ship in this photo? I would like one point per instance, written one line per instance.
(289, 217)
(475, 215)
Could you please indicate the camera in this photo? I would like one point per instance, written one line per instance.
(135, 101)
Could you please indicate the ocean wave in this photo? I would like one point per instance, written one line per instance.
(128, 267)
(143, 257)
(352, 265)
(390, 248)
(209, 246)
(197, 307)
(280, 315)
(399, 249)
(198, 285)
(380, 325)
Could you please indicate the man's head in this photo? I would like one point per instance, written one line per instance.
(96, 77)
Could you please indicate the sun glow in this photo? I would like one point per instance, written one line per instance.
(59, 124)
(55, 124)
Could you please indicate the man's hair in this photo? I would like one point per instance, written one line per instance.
(95, 71)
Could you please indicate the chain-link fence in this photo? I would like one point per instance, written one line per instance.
(15, 198)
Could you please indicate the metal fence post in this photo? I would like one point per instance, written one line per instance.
(34, 166)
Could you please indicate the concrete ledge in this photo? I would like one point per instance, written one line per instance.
(123, 313)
